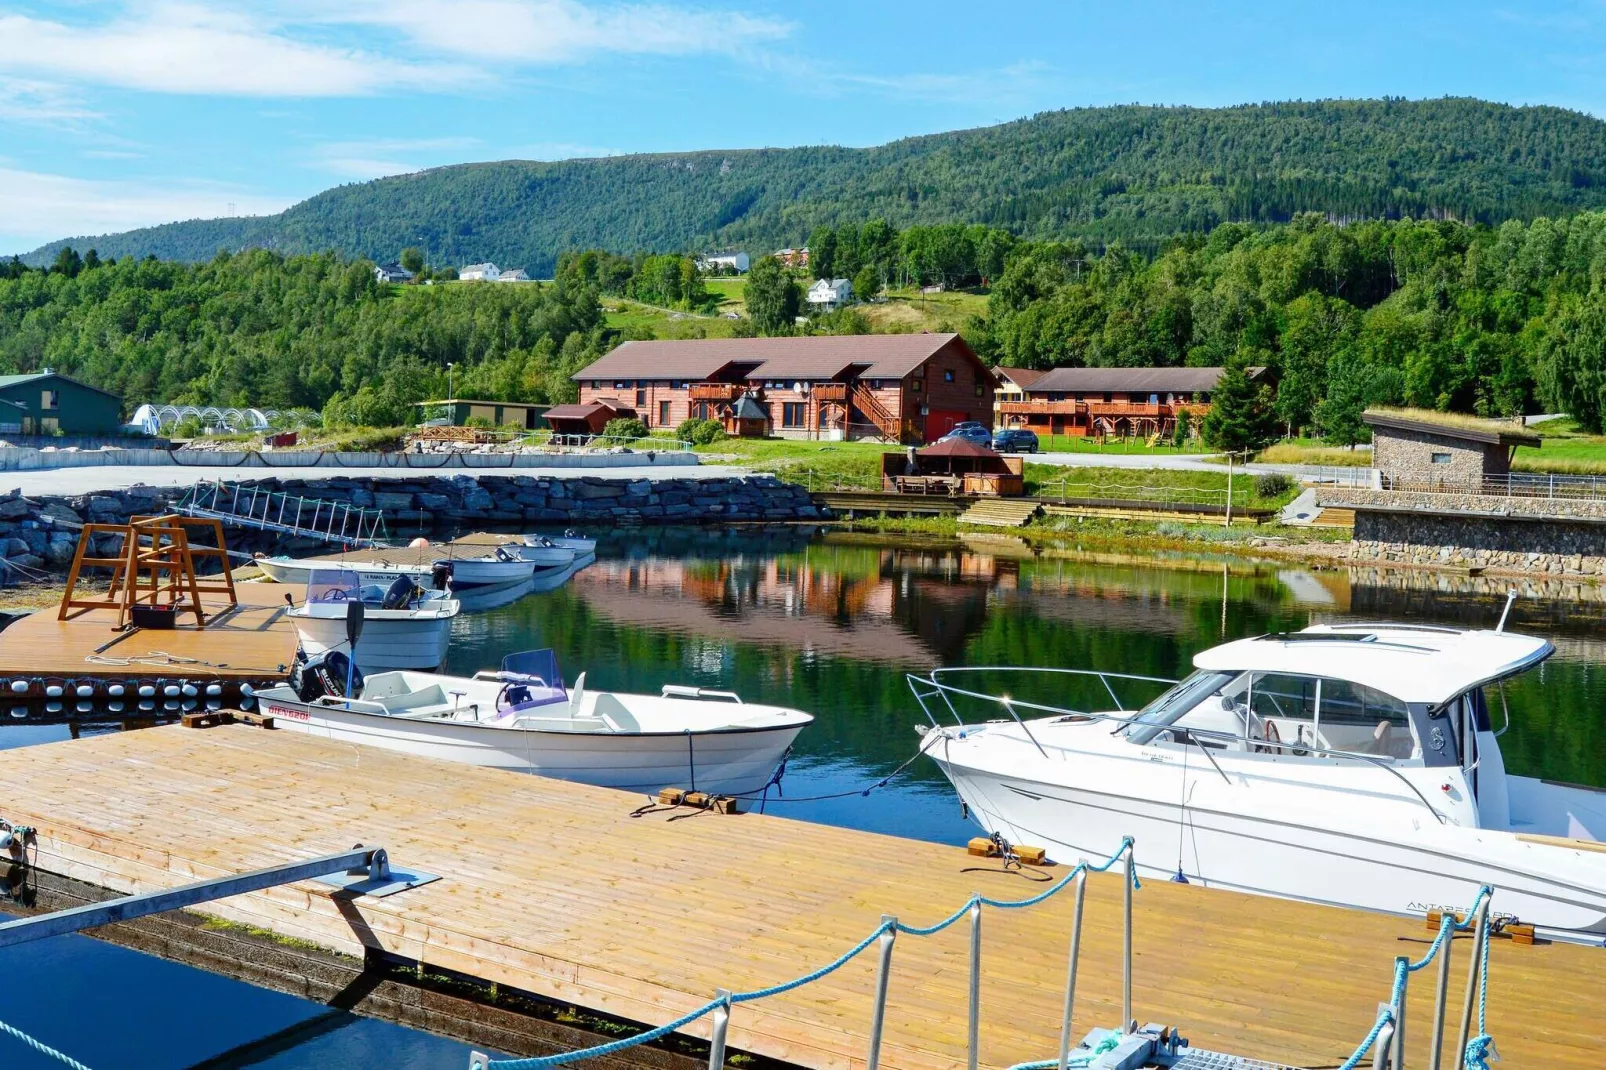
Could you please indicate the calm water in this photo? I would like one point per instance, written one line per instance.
(830, 625)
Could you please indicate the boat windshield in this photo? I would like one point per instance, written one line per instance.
(1166, 710)
(333, 585)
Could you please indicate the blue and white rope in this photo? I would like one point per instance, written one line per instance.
(542, 1062)
(41, 1047)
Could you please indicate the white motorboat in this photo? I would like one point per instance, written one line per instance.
(404, 626)
(568, 541)
(428, 566)
(1353, 764)
(523, 718)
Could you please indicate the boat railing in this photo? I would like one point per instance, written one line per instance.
(687, 691)
(929, 687)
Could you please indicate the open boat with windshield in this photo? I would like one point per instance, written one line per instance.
(1355, 764)
(522, 717)
(404, 625)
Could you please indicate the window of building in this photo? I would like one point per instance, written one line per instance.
(1108, 397)
(914, 386)
(50, 399)
(793, 414)
(641, 398)
(619, 385)
(677, 384)
(948, 376)
(664, 414)
(1441, 458)
(979, 390)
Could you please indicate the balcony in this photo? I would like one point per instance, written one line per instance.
(830, 391)
(716, 391)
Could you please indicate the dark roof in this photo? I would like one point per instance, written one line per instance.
(1143, 380)
(1021, 377)
(14, 380)
(1452, 425)
(956, 447)
(748, 409)
(477, 401)
(578, 412)
(877, 356)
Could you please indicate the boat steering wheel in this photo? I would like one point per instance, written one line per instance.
(334, 595)
(1271, 735)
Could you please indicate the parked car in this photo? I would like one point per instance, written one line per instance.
(1014, 440)
(971, 430)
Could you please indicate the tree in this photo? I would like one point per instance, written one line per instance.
(91, 260)
(1240, 416)
(772, 297)
(68, 262)
(822, 252)
(1179, 434)
(412, 258)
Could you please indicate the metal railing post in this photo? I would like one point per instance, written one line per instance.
(1126, 943)
(1070, 969)
(1402, 964)
(883, 973)
(975, 979)
(1480, 935)
(1380, 1050)
(722, 1019)
(1441, 1000)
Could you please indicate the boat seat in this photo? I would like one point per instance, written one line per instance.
(428, 696)
(610, 709)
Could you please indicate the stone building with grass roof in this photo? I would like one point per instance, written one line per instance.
(1419, 448)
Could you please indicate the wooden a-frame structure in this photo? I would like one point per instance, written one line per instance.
(156, 566)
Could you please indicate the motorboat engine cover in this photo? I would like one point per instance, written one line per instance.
(324, 674)
(398, 594)
(440, 575)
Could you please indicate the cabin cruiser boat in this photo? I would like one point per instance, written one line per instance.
(404, 625)
(491, 567)
(1352, 764)
(522, 717)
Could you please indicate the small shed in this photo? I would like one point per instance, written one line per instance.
(1421, 447)
(49, 403)
(746, 418)
(457, 412)
(588, 419)
(954, 466)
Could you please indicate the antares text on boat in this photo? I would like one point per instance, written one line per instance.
(522, 717)
(1354, 764)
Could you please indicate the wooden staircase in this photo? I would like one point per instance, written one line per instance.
(1331, 517)
(1001, 512)
(875, 412)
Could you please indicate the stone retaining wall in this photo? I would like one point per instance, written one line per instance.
(1489, 504)
(1555, 547)
(42, 532)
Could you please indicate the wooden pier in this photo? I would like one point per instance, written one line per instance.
(252, 642)
(559, 890)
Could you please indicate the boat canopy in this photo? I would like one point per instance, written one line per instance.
(1413, 664)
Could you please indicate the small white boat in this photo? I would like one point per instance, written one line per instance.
(404, 626)
(540, 552)
(1348, 764)
(428, 566)
(523, 718)
(568, 541)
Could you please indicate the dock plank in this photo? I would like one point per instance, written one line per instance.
(557, 889)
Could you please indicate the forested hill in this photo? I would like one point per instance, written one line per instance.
(1135, 173)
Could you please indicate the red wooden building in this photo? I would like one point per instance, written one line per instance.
(907, 388)
(1106, 401)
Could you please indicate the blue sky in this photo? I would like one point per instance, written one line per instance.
(123, 114)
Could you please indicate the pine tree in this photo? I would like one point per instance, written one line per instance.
(1240, 416)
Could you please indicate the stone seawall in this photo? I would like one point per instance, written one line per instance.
(1552, 547)
(41, 532)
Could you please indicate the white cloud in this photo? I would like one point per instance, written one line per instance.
(30, 101)
(184, 48)
(378, 157)
(555, 31)
(36, 207)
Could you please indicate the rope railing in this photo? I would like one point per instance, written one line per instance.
(885, 934)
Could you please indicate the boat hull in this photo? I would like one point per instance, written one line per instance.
(1406, 868)
(466, 573)
(727, 762)
(412, 642)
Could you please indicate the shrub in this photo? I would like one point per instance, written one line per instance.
(1272, 485)
(699, 432)
(625, 427)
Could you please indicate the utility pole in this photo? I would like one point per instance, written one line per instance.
(1228, 524)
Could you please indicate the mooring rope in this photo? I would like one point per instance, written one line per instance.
(613, 1047)
(41, 1047)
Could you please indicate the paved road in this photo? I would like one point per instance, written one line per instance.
(119, 477)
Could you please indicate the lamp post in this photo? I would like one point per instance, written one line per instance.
(449, 395)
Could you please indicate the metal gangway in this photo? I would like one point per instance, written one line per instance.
(286, 514)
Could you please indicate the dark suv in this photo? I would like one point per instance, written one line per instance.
(1014, 440)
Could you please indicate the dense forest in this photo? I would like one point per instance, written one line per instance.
(1136, 174)
(317, 331)
(1490, 320)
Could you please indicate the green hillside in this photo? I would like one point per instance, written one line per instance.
(1135, 173)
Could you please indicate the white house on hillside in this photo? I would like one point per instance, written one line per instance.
(737, 262)
(828, 295)
(392, 273)
(513, 275)
(486, 272)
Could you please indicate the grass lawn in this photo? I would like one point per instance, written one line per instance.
(911, 310)
(1132, 446)
(1315, 451)
(1566, 448)
(621, 314)
(731, 291)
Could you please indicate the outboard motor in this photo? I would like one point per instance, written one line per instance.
(324, 674)
(440, 576)
(399, 594)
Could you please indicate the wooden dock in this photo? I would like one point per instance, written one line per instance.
(557, 889)
(252, 642)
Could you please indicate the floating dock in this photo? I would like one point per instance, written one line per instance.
(561, 890)
(85, 658)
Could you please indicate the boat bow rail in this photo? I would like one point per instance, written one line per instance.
(929, 688)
